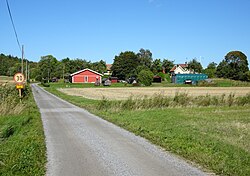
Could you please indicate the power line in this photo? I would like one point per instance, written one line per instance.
(8, 6)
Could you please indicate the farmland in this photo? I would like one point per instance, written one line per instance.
(6, 80)
(125, 93)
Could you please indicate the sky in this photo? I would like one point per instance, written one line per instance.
(178, 30)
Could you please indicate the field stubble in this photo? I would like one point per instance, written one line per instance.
(125, 93)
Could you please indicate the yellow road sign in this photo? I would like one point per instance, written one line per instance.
(19, 86)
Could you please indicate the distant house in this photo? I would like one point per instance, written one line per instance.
(180, 69)
(180, 74)
(86, 76)
(108, 73)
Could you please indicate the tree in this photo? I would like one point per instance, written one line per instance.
(234, 66)
(48, 67)
(125, 65)
(99, 66)
(212, 65)
(211, 70)
(195, 66)
(156, 66)
(167, 65)
(145, 58)
(145, 77)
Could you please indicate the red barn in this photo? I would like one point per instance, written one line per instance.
(86, 76)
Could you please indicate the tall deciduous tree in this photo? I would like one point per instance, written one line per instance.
(167, 65)
(211, 70)
(234, 66)
(156, 66)
(195, 66)
(99, 66)
(125, 65)
(145, 58)
(48, 66)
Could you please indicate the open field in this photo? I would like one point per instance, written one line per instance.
(6, 80)
(140, 92)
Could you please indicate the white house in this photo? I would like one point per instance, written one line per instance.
(180, 69)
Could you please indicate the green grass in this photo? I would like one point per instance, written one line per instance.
(22, 146)
(216, 138)
(230, 83)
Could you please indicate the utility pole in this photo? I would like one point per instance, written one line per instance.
(48, 75)
(22, 57)
(63, 71)
(26, 71)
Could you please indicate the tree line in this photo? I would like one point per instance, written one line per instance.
(127, 64)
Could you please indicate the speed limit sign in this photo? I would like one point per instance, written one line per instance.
(19, 78)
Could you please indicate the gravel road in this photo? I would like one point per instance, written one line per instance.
(80, 143)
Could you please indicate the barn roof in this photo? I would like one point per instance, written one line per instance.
(87, 69)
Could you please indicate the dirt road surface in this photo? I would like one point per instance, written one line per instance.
(81, 144)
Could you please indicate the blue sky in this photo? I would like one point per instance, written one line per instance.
(178, 30)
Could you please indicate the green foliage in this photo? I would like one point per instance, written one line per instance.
(10, 65)
(211, 70)
(145, 77)
(125, 65)
(156, 66)
(99, 66)
(234, 66)
(195, 66)
(145, 58)
(162, 75)
(167, 65)
(22, 146)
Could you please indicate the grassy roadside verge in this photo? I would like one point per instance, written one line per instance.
(216, 138)
(22, 146)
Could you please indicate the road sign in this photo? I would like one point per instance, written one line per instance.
(19, 86)
(19, 78)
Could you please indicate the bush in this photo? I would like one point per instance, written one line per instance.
(162, 75)
(45, 84)
(145, 77)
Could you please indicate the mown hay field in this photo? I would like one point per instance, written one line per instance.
(6, 80)
(142, 92)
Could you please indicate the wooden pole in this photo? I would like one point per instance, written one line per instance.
(22, 57)
(26, 71)
(20, 94)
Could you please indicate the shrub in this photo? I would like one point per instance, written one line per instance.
(145, 77)
(162, 75)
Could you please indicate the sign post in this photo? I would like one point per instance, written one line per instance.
(19, 79)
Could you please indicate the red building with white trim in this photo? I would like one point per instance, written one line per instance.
(86, 76)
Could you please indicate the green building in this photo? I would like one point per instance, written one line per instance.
(188, 78)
